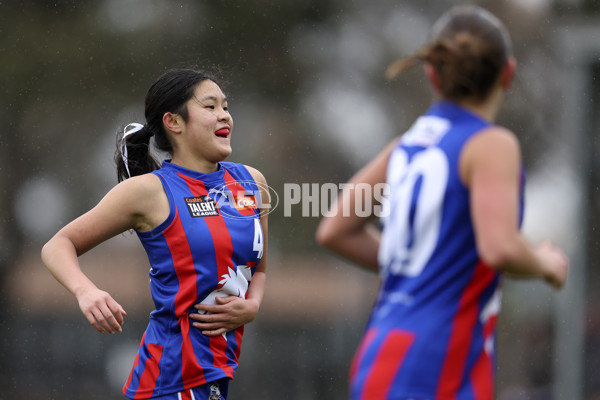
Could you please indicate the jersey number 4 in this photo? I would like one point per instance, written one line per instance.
(258, 238)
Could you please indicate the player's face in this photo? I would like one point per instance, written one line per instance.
(209, 125)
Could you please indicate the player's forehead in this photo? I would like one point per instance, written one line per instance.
(208, 90)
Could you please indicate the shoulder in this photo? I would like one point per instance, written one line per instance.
(261, 184)
(493, 139)
(129, 204)
(245, 169)
(136, 195)
(144, 198)
(141, 185)
(256, 174)
(491, 144)
(492, 149)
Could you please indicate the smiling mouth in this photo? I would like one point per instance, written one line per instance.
(224, 132)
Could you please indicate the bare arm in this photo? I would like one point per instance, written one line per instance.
(231, 312)
(121, 209)
(352, 236)
(489, 166)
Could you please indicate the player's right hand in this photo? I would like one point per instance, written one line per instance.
(555, 262)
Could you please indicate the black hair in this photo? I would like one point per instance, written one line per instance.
(169, 93)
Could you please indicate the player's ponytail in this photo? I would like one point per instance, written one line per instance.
(133, 156)
(468, 49)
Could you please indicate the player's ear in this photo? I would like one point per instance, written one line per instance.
(508, 73)
(173, 122)
(433, 77)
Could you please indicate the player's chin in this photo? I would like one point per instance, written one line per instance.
(224, 151)
(223, 154)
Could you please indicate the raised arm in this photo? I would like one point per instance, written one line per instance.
(121, 209)
(351, 235)
(489, 166)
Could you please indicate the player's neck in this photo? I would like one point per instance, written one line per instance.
(487, 109)
(199, 165)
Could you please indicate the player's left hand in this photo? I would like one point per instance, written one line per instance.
(229, 313)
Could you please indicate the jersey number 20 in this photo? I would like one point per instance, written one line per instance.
(412, 228)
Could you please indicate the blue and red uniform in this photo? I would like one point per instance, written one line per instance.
(209, 246)
(431, 334)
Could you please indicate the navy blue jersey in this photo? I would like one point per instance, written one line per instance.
(209, 246)
(431, 332)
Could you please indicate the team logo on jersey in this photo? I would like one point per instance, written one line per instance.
(215, 393)
(201, 206)
(240, 200)
(245, 201)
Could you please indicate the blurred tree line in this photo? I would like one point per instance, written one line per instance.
(305, 83)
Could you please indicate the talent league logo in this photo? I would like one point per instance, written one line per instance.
(201, 206)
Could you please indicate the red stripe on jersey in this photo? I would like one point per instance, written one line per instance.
(218, 231)
(186, 296)
(462, 333)
(490, 326)
(360, 353)
(239, 195)
(135, 364)
(218, 347)
(250, 264)
(482, 378)
(151, 372)
(482, 375)
(189, 363)
(184, 266)
(223, 255)
(387, 362)
(186, 395)
(239, 332)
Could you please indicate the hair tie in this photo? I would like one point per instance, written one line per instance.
(130, 129)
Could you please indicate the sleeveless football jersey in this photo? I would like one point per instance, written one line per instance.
(208, 246)
(431, 332)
